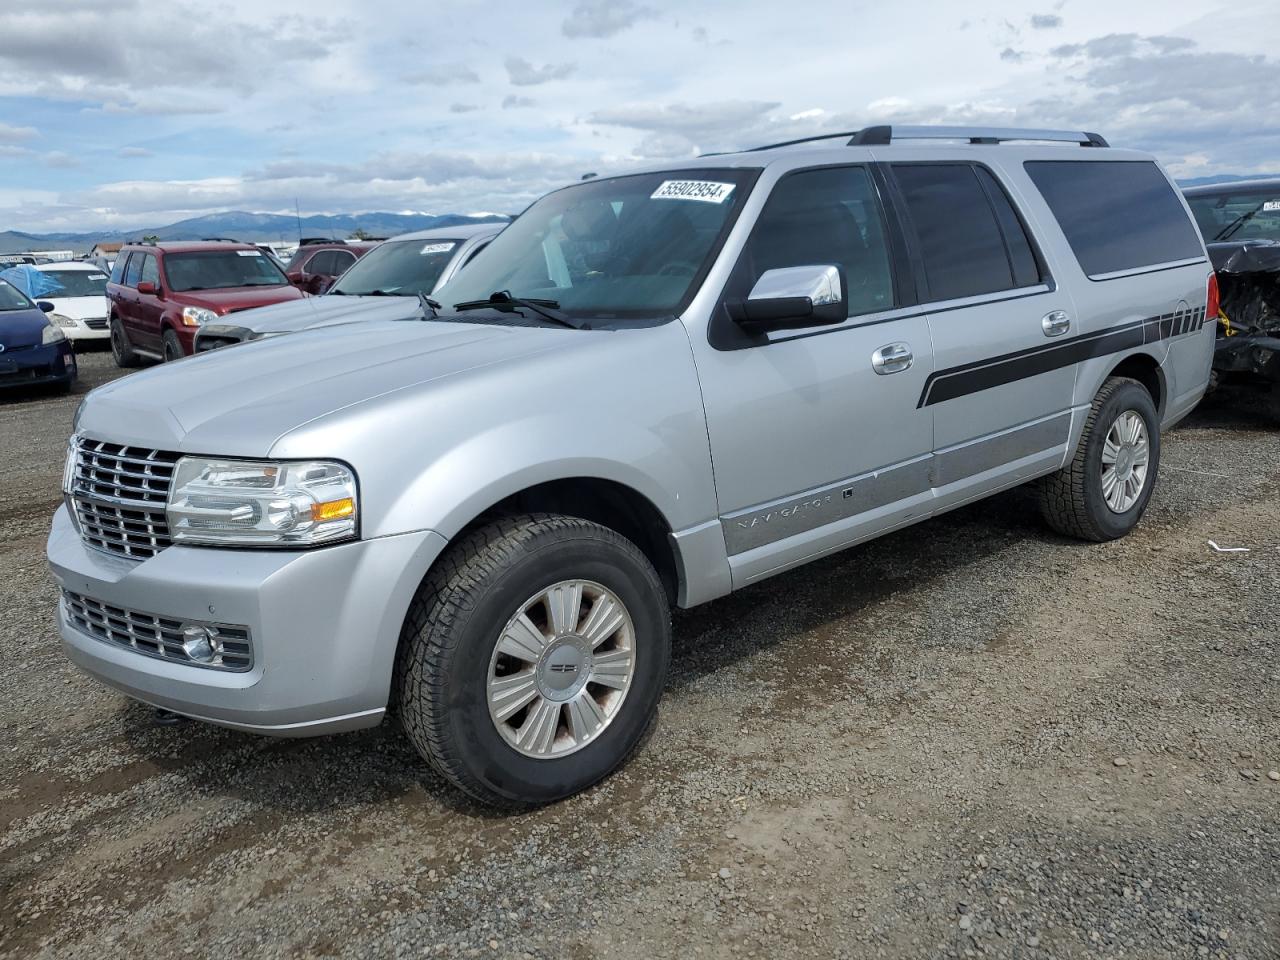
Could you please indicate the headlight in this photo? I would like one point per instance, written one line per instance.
(256, 503)
(69, 468)
(60, 320)
(197, 316)
(52, 334)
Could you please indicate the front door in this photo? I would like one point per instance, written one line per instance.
(816, 442)
(150, 307)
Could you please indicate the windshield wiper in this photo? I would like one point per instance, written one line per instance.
(430, 308)
(503, 300)
(1239, 222)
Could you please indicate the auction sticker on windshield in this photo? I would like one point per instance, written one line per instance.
(1271, 206)
(705, 191)
(435, 248)
(248, 253)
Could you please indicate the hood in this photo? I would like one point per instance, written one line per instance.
(21, 328)
(79, 308)
(240, 402)
(234, 299)
(1245, 256)
(329, 309)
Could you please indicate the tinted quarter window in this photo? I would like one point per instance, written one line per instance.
(960, 239)
(826, 217)
(1022, 256)
(131, 272)
(1117, 215)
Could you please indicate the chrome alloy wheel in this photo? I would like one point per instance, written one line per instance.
(561, 669)
(1125, 455)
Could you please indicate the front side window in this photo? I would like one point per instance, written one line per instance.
(11, 298)
(1237, 215)
(132, 272)
(1117, 215)
(959, 235)
(117, 268)
(400, 268)
(78, 283)
(827, 217)
(618, 248)
(221, 270)
(150, 272)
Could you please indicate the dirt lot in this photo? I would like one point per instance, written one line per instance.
(972, 737)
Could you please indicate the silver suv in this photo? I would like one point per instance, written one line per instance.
(650, 389)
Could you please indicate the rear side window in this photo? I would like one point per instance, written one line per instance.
(133, 270)
(961, 241)
(1117, 215)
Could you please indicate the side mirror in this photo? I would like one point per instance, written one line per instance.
(793, 297)
(147, 288)
(45, 306)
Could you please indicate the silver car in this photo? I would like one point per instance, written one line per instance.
(384, 284)
(649, 390)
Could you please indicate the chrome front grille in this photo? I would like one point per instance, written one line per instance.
(156, 636)
(119, 493)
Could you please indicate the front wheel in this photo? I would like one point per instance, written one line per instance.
(1102, 493)
(533, 658)
(172, 347)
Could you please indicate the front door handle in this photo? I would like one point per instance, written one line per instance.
(1055, 324)
(892, 358)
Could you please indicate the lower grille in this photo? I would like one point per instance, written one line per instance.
(156, 636)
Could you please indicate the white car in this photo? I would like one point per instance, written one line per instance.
(80, 306)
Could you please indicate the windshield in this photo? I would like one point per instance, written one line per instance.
(77, 283)
(626, 247)
(11, 298)
(1249, 215)
(221, 269)
(404, 268)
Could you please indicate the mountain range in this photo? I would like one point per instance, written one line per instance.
(254, 227)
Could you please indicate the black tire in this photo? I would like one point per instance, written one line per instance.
(454, 624)
(171, 346)
(1071, 500)
(121, 349)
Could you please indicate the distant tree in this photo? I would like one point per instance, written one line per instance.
(360, 234)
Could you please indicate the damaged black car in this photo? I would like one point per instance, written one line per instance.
(1241, 227)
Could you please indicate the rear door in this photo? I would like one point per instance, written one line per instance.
(1001, 388)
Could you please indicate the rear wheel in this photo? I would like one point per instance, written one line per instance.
(533, 658)
(172, 347)
(121, 349)
(1102, 493)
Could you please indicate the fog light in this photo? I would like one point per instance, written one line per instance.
(201, 643)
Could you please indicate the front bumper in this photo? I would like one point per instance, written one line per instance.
(324, 626)
(46, 363)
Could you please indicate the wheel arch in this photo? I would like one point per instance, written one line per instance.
(1148, 371)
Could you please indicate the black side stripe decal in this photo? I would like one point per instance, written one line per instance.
(981, 375)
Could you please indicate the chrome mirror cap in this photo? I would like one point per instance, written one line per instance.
(820, 283)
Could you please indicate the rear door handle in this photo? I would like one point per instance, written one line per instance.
(1055, 324)
(892, 358)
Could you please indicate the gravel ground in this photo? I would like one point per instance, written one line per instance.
(969, 738)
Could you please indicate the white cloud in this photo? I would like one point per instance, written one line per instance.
(522, 73)
(604, 18)
(10, 134)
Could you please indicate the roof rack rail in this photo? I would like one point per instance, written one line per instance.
(884, 135)
(311, 241)
(218, 240)
(881, 136)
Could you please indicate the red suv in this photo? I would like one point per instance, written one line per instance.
(160, 293)
(320, 262)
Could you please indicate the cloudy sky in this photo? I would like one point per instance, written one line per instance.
(135, 113)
